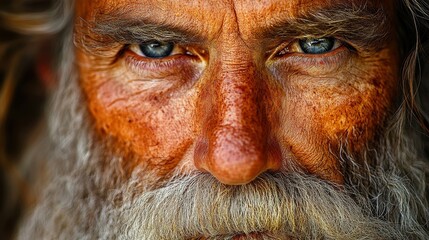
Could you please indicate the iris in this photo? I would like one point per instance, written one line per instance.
(156, 49)
(317, 45)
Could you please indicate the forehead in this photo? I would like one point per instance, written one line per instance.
(197, 14)
(218, 7)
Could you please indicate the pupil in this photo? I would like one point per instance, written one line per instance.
(316, 45)
(156, 49)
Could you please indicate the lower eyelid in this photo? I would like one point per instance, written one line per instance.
(327, 61)
(138, 62)
(143, 66)
(179, 69)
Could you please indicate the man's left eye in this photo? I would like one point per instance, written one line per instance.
(317, 45)
(154, 49)
(311, 46)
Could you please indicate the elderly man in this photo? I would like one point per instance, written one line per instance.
(230, 119)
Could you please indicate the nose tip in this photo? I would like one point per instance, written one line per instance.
(235, 157)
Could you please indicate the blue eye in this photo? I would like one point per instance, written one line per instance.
(156, 49)
(317, 45)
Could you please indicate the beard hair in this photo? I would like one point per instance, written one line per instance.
(84, 193)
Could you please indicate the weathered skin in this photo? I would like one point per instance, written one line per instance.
(230, 106)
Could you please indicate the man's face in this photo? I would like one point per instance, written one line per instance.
(237, 88)
(229, 120)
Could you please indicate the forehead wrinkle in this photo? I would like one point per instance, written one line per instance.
(233, 27)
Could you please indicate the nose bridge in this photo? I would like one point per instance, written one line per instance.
(237, 82)
(237, 94)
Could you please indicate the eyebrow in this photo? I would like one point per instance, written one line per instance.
(361, 25)
(118, 29)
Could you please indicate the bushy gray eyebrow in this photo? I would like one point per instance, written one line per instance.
(111, 30)
(363, 26)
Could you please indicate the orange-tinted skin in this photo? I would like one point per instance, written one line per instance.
(231, 109)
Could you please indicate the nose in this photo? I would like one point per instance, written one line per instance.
(236, 145)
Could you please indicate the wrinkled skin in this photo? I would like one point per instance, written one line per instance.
(229, 103)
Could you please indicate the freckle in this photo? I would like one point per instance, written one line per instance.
(130, 120)
(342, 120)
(376, 82)
(154, 98)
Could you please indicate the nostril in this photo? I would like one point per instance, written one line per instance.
(274, 155)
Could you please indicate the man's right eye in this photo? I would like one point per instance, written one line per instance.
(155, 59)
(153, 49)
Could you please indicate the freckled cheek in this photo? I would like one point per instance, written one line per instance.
(152, 119)
(353, 111)
(160, 132)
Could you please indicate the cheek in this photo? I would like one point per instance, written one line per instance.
(151, 121)
(356, 117)
(319, 109)
(351, 106)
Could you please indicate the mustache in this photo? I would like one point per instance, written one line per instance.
(277, 205)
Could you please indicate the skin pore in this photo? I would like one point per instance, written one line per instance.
(237, 96)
